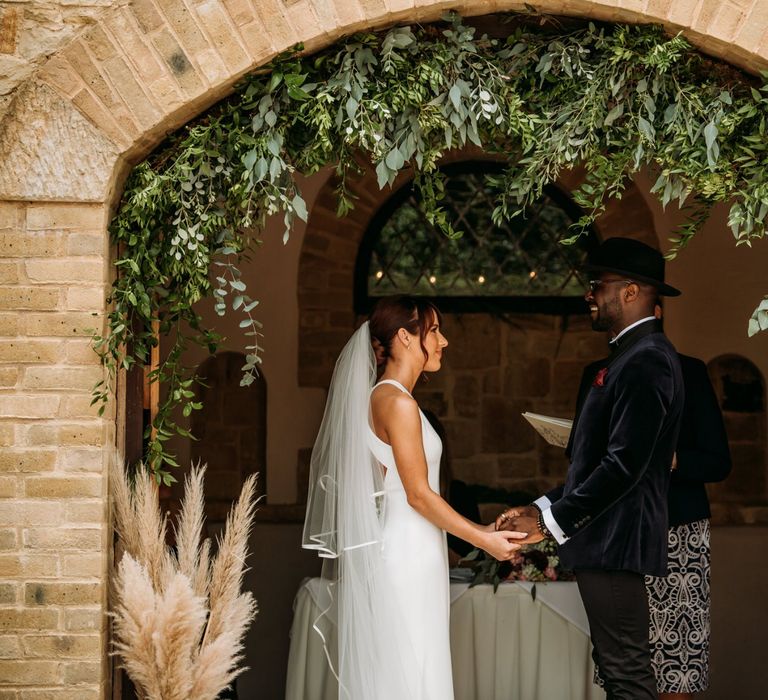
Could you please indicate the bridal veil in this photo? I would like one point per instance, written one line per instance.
(345, 512)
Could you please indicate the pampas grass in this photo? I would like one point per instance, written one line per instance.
(179, 617)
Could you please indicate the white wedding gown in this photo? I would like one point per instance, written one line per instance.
(415, 557)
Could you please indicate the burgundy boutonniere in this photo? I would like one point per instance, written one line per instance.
(600, 377)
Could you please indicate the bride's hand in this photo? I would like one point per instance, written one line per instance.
(501, 545)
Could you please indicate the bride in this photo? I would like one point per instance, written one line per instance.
(375, 515)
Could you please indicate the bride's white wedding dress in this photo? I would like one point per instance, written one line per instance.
(385, 591)
(415, 563)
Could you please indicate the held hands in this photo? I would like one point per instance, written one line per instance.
(502, 545)
(524, 519)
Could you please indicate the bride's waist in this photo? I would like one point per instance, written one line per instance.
(396, 506)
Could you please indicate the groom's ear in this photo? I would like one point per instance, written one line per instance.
(631, 292)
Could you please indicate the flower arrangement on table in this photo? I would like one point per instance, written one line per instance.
(535, 563)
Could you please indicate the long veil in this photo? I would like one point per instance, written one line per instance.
(345, 513)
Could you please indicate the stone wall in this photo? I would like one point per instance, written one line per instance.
(495, 369)
(231, 429)
(53, 506)
(32, 30)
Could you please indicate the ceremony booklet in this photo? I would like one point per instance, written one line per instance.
(555, 431)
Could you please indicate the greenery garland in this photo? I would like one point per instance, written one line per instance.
(612, 99)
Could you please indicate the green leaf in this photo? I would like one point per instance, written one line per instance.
(274, 81)
(382, 174)
(670, 113)
(455, 96)
(300, 207)
(646, 128)
(614, 114)
(296, 93)
(394, 159)
(710, 133)
(249, 159)
(759, 319)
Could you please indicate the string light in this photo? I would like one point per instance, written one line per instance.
(379, 275)
(532, 274)
(481, 279)
(432, 279)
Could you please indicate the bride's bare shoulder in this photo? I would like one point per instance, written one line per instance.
(389, 400)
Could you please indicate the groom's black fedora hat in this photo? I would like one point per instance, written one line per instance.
(632, 259)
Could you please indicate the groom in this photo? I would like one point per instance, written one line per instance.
(610, 516)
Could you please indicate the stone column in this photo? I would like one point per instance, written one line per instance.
(54, 525)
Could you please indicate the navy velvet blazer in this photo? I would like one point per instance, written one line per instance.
(613, 506)
(703, 455)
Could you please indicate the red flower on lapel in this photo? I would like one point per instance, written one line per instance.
(600, 377)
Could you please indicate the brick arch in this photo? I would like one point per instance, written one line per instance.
(142, 68)
(329, 253)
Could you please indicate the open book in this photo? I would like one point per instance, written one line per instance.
(555, 431)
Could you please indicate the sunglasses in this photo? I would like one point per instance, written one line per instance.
(594, 284)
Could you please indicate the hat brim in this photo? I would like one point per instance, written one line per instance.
(662, 288)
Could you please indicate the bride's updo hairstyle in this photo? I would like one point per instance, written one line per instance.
(390, 314)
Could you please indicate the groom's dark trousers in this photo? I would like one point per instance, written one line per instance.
(613, 506)
(617, 609)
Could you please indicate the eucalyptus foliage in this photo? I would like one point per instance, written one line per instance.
(611, 99)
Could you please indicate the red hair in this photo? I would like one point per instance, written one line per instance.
(415, 314)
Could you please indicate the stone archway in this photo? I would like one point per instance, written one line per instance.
(139, 70)
(68, 134)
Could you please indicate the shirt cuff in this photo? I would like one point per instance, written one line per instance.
(542, 503)
(552, 526)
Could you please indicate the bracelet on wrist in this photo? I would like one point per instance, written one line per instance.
(543, 529)
(543, 526)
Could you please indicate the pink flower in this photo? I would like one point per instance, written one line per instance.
(550, 573)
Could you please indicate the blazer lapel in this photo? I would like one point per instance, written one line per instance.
(626, 342)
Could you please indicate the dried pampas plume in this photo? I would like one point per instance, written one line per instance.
(179, 618)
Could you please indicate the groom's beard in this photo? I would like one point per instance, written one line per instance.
(608, 315)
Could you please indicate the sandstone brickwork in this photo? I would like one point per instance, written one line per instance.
(53, 510)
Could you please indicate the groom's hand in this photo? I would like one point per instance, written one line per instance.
(522, 519)
(503, 522)
(527, 524)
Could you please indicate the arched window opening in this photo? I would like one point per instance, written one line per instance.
(518, 265)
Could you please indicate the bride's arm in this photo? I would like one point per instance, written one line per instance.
(401, 421)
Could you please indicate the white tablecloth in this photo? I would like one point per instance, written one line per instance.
(505, 646)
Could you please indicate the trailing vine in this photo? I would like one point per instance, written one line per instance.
(611, 99)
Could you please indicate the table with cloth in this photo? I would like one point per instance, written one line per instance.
(506, 645)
